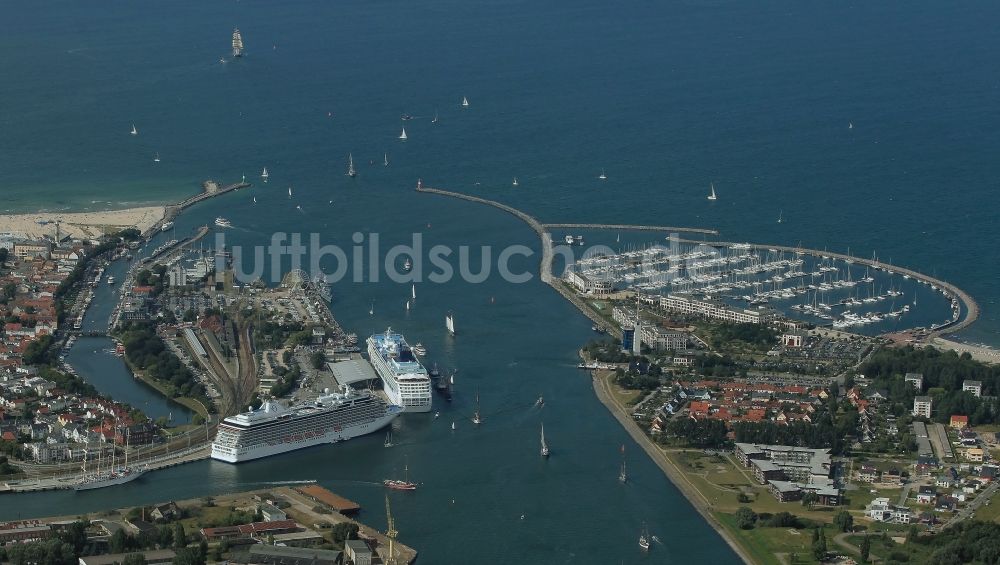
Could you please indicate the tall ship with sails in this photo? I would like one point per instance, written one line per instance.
(110, 473)
(273, 428)
(404, 379)
(237, 43)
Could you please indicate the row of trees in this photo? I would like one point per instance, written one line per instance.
(147, 352)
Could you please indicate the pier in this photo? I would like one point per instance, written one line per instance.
(210, 188)
(970, 309)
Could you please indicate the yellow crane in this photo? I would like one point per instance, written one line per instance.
(390, 533)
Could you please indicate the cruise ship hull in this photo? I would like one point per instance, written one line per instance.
(242, 454)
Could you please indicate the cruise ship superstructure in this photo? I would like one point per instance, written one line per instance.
(404, 379)
(273, 428)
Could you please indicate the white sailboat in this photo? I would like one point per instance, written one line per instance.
(402, 136)
(289, 192)
(711, 194)
(134, 131)
(407, 304)
(780, 212)
(453, 426)
(602, 175)
(237, 43)
(156, 159)
(385, 157)
(476, 418)
(644, 538)
(622, 476)
(350, 166)
(254, 199)
(413, 291)
(434, 121)
(465, 102)
(264, 174)
(850, 125)
(515, 181)
(545, 446)
(371, 309)
(449, 323)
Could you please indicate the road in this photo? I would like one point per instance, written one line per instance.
(965, 513)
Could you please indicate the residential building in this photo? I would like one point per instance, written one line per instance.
(916, 380)
(272, 513)
(261, 554)
(922, 406)
(975, 387)
(958, 422)
(974, 454)
(715, 309)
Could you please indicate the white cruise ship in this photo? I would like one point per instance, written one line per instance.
(274, 429)
(404, 379)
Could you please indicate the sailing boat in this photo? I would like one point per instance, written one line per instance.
(237, 43)
(711, 195)
(515, 181)
(371, 309)
(388, 437)
(434, 121)
(453, 426)
(850, 125)
(134, 131)
(289, 192)
(413, 291)
(545, 447)
(622, 476)
(157, 158)
(407, 304)
(385, 162)
(350, 166)
(404, 484)
(476, 418)
(644, 538)
(449, 322)
(465, 102)
(403, 135)
(264, 174)
(254, 199)
(603, 176)
(780, 212)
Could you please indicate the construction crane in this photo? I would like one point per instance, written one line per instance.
(390, 533)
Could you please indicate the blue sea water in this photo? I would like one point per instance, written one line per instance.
(665, 97)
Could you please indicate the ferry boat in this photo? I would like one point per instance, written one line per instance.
(273, 429)
(223, 223)
(111, 279)
(404, 380)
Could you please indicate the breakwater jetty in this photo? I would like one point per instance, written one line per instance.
(209, 189)
(969, 308)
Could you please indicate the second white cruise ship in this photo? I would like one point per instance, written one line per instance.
(274, 429)
(404, 379)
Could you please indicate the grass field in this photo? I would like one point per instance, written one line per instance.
(765, 544)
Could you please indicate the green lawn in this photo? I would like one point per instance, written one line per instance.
(883, 547)
(764, 543)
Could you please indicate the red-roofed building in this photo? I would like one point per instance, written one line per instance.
(8, 436)
(959, 422)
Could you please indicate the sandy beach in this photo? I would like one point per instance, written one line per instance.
(80, 224)
(979, 353)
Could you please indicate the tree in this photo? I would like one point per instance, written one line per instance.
(119, 541)
(809, 498)
(745, 518)
(180, 538)
(819, 546)
(166, 538)
(844, 521)
(317, 359)
(866, 547)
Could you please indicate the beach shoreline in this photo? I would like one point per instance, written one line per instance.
(83, 225)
